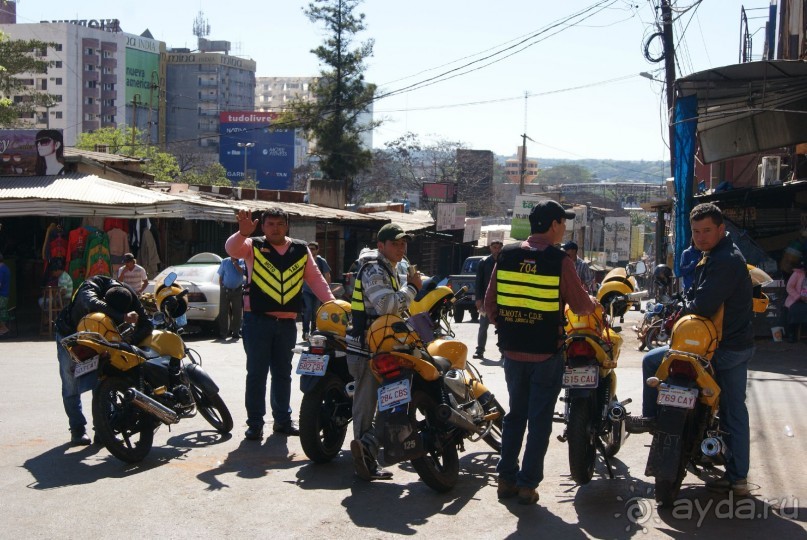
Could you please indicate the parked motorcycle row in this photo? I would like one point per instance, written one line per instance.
(432, 399)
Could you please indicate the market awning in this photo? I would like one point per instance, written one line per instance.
(89, 195)
(748, 108)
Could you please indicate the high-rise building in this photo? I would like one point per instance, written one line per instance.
(512, 168)
(199, 86)
(100, 76)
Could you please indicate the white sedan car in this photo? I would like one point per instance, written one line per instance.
(200, 277)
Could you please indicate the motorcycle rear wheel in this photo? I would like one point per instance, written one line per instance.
(439, 468)
(655, 337)
(494, 436)
(213, 409)
(124, 429)
(580, 435)
(321, 433)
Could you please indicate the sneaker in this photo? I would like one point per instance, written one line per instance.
(289, 429)
(478, 355)
(305, 337)
(79, 438)
(527, 495)
(360, 459)
(739, 487)
(380, 474)
(640, 424)
(506, 489)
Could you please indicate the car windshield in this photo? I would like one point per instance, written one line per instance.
(470, 266)
(195, 273)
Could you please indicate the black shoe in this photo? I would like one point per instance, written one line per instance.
(289, 428)
(380, 474)
(479, 355)
(254, 434)
(79, 438)
(640, 424)
(366, 466)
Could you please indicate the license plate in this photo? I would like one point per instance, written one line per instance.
(392, 395)
(673, 396)
(312, 364)
(87, 366)
(581, 377)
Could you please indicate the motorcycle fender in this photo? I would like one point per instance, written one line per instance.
(308, 382)
(399, 438)
(575, 393)
(668, 443)
(201, 379)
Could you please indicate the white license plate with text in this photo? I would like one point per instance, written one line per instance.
(312, 364)
(581, 377)
(673, 396)
(392, 395)
(87, 366)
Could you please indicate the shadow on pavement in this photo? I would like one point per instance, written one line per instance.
(59, 467)
(780, 357)
(251, 459)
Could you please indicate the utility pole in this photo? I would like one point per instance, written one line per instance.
(523, 165)
(135, 102)
(152, 87)
(669, 73)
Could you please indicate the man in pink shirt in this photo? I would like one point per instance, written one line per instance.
(277, 266)
(528, 290)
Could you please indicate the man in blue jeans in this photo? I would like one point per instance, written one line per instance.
(721, 279)
(310, 301)
(531, 284)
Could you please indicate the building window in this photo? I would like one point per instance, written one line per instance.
(57, 64)
(58, 47)
(43, 84)
(88, 51)
(58, 115)
(92, 84)
(58, 81)
(89, 67)
(88, 101)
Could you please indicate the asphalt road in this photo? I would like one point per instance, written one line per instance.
(196, 483)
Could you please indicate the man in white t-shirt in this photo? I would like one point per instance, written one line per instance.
(133, 274)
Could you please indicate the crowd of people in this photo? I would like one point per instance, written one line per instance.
(522, 290)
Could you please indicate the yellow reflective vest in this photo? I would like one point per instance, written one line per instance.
(276, 283)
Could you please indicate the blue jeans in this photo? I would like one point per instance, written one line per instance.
(534, 388)
(731, 374)
(482, 336)
(72, 388)
(268, 343)
(310, 305)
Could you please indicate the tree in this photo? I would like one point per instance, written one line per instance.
(128, 141)
(17, 99)
(213, 174)
(564, 174)
(340, 93)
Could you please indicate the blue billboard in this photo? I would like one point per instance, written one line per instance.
(269, 152)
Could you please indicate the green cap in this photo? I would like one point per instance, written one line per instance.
(392, 231)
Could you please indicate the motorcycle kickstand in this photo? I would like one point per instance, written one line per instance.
(601, 447)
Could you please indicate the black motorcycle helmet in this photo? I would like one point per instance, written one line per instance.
(663, 275)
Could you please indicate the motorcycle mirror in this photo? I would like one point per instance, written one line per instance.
(641, 268)
(170, 279)
(400, 327)
(158, 318)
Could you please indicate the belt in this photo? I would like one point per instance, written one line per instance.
(278, 319)
(233, 288)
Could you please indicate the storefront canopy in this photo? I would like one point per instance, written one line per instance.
(88, 195)
(748, 108)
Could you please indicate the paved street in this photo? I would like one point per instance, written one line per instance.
(197, 484)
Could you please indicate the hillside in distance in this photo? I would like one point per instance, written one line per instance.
(609, 170)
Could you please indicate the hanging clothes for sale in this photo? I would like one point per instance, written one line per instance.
(54, 251)
(136, 228)
(98, 255)
(76, 251)
(118, 245)
(149, 258)
(116, 223)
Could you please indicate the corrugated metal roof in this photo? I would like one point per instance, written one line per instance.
(412, 222)
(103, 157)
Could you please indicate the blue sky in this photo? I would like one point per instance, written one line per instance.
(586, 97)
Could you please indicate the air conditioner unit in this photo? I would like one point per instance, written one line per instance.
(769, 170)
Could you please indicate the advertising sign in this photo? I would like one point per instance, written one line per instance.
(450, 216)
(473, 229)
(616, 235)
(142, 69)
(495, 236)
(438, 192)
(520, 226)
(270, 161)
(31, 152)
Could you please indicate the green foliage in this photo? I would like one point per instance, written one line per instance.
(16, 97)
(609, 170)
(128, 141)
(341, 94)
(564, 174)
(213, 174)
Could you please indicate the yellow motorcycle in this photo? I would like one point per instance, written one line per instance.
(687, 429)
(141, 386)
(594, 417)
(431, 398)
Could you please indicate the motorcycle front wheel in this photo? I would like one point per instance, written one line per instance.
(213, 409)
(439, 468)
(655, 337)
(324, 416)
(124, 429)
(580, 435)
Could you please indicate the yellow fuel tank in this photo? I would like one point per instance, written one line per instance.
(167, 343)
(455, 351)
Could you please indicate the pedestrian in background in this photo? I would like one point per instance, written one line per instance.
(231, 296)
(133, 274)
(529, 289)
(276, 268)
(690, 258)
(580, 266)
(483, 273)
(310, 300)
(5, 292)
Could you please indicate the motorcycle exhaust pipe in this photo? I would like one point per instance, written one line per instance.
(617, 413)
(456, 418)
(151, 406)
(713, 447)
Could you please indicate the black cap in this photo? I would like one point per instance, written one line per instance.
(569, 245)
(392, 231)
(544, 213)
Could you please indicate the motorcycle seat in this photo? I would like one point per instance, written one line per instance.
(443, 364)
